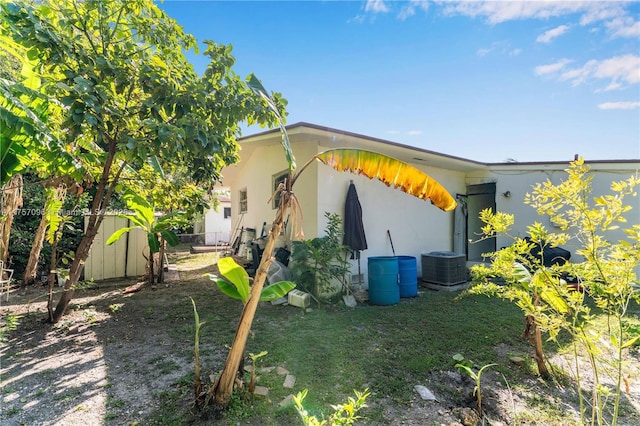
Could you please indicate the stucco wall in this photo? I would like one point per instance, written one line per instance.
(520, 179)
(416, 226)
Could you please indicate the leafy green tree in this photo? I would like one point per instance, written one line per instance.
(28, 142)
(607, 276)
(118, 69)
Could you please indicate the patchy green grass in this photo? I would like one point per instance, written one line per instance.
(334, 350)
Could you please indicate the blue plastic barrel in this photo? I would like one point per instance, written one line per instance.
(408, 276)
(383, 280)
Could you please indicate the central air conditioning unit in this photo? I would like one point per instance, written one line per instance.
(445, 268)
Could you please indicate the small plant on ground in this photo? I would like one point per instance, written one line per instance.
(607, 280)
(254, 359)
(197, 384)
(343, 414)
(8, 322)
(466, 367)
(236, 283)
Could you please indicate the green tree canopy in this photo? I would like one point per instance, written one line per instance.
(128, 96)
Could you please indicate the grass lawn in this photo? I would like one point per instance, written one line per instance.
(136, 352)
(334, 350)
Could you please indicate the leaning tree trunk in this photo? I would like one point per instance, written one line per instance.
(101, 199)
(223, 387)
(533, 334)
(31, 269)
(11, 202)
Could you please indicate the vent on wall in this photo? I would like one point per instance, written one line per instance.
(444, 268)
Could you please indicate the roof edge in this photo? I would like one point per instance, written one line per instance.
(302, 124)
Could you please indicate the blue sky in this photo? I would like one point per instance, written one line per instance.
(488, 81)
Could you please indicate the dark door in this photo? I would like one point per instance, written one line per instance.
(479, 197)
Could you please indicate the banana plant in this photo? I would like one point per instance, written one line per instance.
(389, 170)
(143, 217)
(236, 285)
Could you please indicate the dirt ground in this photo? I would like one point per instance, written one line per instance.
(97, 367)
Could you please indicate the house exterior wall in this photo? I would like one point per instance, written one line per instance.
(217, 228)
(255, 175)
(519, 180)
(416, 226)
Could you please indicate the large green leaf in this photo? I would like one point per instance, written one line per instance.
(117, 234)
(255, 85)
(227, 288)
(170, 237)
(391, 171)
(52, 212)
(154, 243)
(142, 208)
(276, 290)
(236, 275)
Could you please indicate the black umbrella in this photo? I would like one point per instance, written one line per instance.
(354, 237)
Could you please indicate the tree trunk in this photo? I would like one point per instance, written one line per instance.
(76, 267)
(101, 199)
(163, 247)
(52, 277)
(223, 387)
(152, 261)
(533, 334)
(11, 201)
(31, 270)
(542, 365)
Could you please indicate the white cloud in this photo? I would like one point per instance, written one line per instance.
(619, 69)
(409, 9)
(602, 11)
(496, 12)
(624, 27)
(501, 47)
(358, 19)
(619, 105)
(376, 6)
(626, 68)
(547, 36)
(414, 132)
(614, 85)
(552, 68)
(614, 14)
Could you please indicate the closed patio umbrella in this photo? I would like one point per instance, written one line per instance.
(354, 236)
